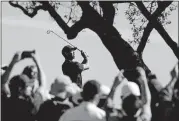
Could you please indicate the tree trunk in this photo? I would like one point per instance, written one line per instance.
(123, 54)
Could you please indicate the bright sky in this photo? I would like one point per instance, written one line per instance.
(20, 32)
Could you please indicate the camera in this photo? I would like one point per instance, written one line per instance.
(27, 54)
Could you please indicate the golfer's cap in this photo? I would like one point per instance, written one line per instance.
(68, 48)
(130, 88)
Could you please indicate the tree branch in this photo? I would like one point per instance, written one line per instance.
(35, 10)
(69, 16)
(152, 18)
(149, 26)
(55, 16)
(144, 38)
(72, 31)
(108, 11)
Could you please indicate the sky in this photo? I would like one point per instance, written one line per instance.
(19, 32)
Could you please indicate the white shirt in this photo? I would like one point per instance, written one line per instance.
(86, 111)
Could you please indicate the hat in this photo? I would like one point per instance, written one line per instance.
(68, 49)
(130, 88)
(104, 90)
(63, 84)
(73, 89)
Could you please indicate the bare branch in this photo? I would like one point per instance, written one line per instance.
(25, 11)
(153, 19)
(161, 7)
(149, 28)
(72, 31)
(55, 16)
(69, 15)
(144, 38)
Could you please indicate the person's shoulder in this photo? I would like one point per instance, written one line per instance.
(69, 113)
(94, 110)
(63, 104)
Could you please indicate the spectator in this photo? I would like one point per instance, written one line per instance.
(51, 110)
(71, 68)
(5, 76)
(36, 74)
(135, 105)
(141, 110)
(88, 109)
(131, 103)
(16, 104)
(168, 103)
(104, 91)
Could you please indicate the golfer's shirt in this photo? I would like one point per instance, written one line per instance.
(85, 112)
(73, 70)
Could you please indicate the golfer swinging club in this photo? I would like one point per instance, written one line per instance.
(71, 68)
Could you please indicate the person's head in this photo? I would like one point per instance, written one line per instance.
(68, 52)
(131, 101)
(30, 71)
(91, 91)
(21, 85)
(63, 87)
(131, 104)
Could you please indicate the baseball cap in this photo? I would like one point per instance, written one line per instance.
(130, 88)
(68, 49)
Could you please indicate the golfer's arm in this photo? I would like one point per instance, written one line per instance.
(85, 64)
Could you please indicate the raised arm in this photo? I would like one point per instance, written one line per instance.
(117, 81)
(174, 74)
(167, 93)
(108, 106)
(5, 77)
(145, 94)
(85, 61)
(41, 75)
